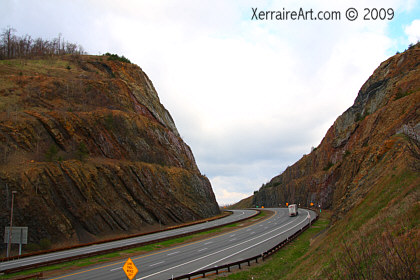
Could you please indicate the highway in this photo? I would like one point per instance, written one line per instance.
(214, 251)
(237, 215)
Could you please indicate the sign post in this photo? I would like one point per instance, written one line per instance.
(130, 269)
(18, 235)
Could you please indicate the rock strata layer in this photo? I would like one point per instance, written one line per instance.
(92, 152)
(362, 145)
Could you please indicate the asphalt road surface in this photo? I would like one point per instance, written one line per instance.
(237, 215)
(214, 251)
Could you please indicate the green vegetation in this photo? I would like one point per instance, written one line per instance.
(124, 253)
(82, 151)
(347, 153)
(46, 66)
(377, 238)
(32, 247)
(109, 121)
(328, 166)
(361, 117)
(51, 154)
(78, 263)
(401, 94)
(117, 57)
(45, 244)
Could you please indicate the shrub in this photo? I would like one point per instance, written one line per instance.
(390, 256)
(112, 56)
(346, 153)
(45, 244)
(328, 166)
(82, 151)
(401, 94)
(109, 121)
(32, 247)
(51, 154)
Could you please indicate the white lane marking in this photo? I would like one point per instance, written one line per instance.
(95, 247)
(202, 249)
(173, 253)
(156, 263)
(248, 229)
(253, 232)
(227, 248)
(250, 246)
(207, 243)
(116, 268)
(232, 235)
(233, 239)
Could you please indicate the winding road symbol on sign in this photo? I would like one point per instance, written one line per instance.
(130, 269)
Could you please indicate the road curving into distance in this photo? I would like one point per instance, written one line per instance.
(236, 216)
(210, 252)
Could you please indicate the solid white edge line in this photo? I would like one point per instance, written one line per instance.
(153, 274)
(251, 246)
(63, 254)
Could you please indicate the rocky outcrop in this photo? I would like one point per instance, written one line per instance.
(91, 151)
(350, 158)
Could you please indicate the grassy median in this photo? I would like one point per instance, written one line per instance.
(122, 255)
(281, 263)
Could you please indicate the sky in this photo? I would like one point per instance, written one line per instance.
(249, 95)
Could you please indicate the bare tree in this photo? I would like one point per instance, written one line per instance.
(7, 37)
(12, 46)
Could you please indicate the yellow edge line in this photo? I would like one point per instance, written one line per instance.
(173, 248)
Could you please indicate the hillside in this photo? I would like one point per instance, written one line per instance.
(365, 173)
(342, 169)
(91, 151)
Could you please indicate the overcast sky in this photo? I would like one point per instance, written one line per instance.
(249, 96)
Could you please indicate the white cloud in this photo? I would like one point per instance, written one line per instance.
(413, 31)
(225, 188)
(248, 97)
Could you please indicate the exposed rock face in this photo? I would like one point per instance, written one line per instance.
(342, 169)
(91, 151)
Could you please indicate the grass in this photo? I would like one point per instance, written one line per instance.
(124, 253)
(391, 201)
(283, 261)
(46, 66)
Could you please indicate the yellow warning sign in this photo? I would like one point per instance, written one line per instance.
(130, 269)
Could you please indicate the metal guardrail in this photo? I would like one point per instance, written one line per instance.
(112, 239)
(227, 267)
(106, 251)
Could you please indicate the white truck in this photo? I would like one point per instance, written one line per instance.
(293, 210)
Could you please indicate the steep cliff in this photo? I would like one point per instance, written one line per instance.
(91, 151)
(362, 146)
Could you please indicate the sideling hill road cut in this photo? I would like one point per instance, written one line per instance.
(214, 251)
